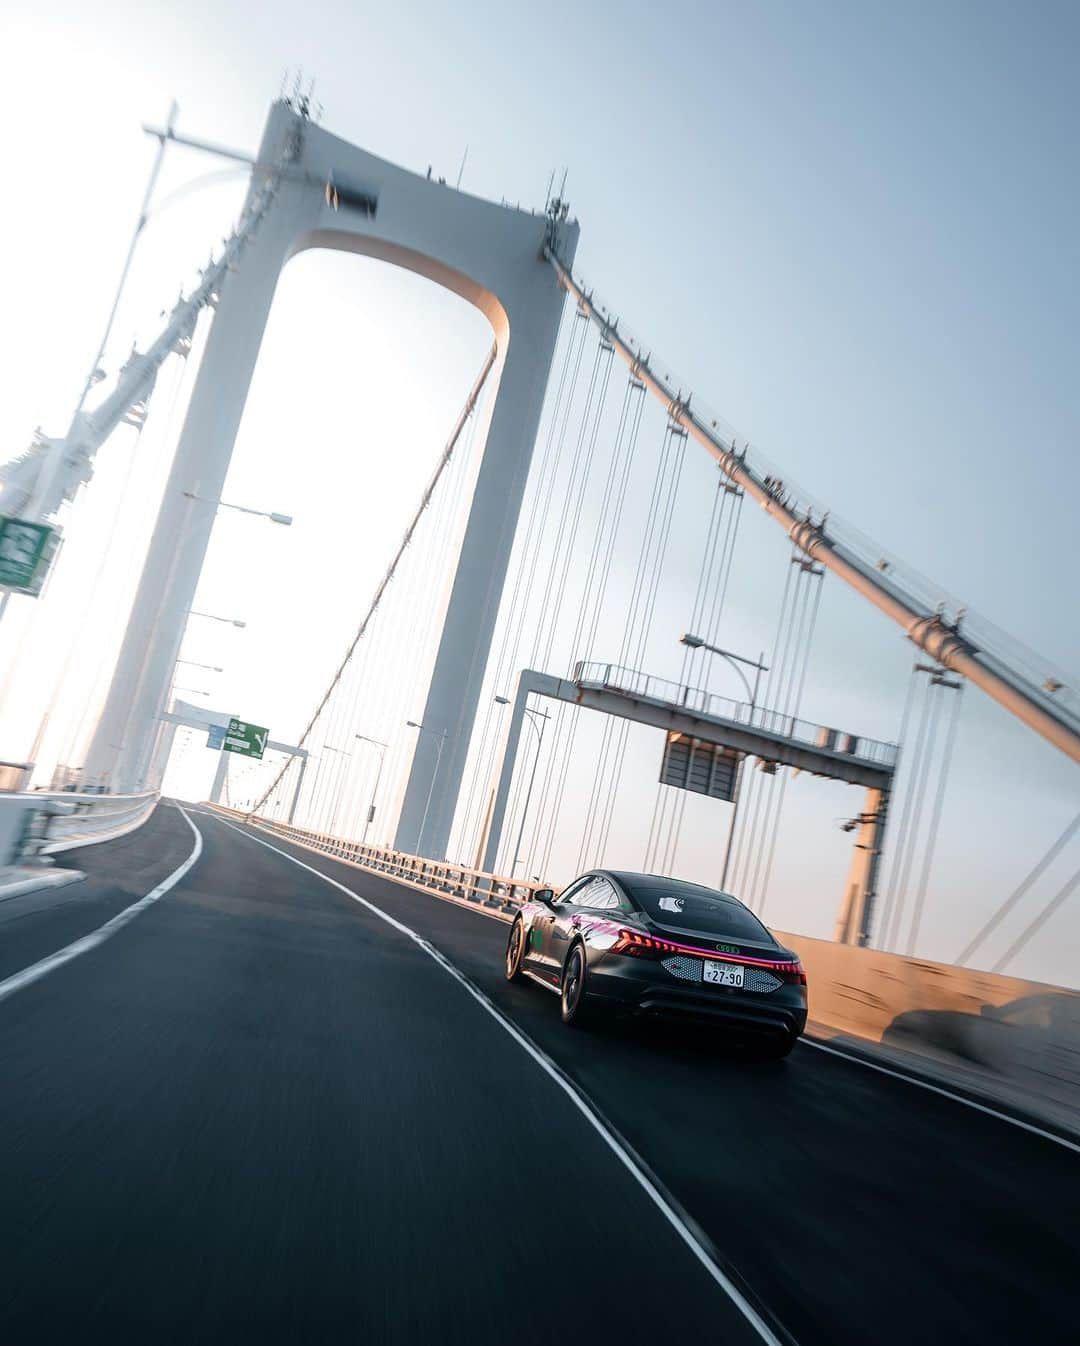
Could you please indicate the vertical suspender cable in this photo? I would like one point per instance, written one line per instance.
(796, 704)
(909, 698)
(909, 828)
(935, 822)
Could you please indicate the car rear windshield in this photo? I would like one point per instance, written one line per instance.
(698, 909)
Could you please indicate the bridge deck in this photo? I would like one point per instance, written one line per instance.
(259, 1108)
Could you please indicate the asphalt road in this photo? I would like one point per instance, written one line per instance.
(261, 1112)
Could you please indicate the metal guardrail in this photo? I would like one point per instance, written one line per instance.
(496, 892)
(614, 678)
(92, 818)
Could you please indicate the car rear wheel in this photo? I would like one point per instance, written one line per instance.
(515, 950)
(575, 1001)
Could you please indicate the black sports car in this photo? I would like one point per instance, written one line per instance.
(652, 945)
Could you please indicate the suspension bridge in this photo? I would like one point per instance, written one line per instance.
(613, 632)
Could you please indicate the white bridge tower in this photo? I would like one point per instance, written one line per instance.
(492, 256)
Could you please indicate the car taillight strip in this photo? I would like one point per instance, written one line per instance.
(632, 939)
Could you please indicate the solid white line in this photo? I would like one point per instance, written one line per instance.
(97, 937)
(475, 907)
(806, 1042)
(550, 1069)
(945, 1093)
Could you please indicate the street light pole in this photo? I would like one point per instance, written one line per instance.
(543, 715)
(423, 728)
(696, 643)
(378, 743)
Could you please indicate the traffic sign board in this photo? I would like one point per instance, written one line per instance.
(26, 551)
(215, 737)
(247, 739)
(705, 768)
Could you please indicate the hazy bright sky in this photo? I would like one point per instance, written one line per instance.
(850, 226)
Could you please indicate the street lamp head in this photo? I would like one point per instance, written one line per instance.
(284, 519)
(502, 700)
(692, 642)
(413, 725)
(240, 624)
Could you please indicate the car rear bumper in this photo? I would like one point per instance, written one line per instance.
(646, 988)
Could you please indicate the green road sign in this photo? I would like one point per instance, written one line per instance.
(249, 739)
(26, 551)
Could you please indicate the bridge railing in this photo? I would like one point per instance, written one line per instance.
(91, 817)
(496, 892)
(613, 677)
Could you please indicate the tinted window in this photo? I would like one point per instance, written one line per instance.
(570, 895)
(600, 896)
(698, 909)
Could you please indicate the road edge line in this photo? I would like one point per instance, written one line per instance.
(945, 1093)
(36, 971)
(477, 908)
(910, 1078)
(618, 1148)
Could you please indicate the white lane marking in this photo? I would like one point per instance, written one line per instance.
(945, 1093)
(555, 1074)
(805, 1042)
(504, 918)
(97, 937)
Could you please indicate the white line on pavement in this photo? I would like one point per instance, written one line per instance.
(18, 980)
(945, 1093)
(580, 1102)
(804, 1042)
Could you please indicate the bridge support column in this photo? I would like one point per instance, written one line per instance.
(119, 754)
(220, 776)
(854, 919)
(473, 606)
(492, 257)
(506, 776)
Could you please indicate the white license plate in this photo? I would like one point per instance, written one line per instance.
(724, 974)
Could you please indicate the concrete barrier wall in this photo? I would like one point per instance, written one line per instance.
(1023, 1032)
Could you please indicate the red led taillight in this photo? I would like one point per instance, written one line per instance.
(636, 945)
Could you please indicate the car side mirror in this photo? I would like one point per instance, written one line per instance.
(545, 895)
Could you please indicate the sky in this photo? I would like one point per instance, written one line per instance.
(851, 228)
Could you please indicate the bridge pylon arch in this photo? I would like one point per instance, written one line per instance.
(492, 256)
